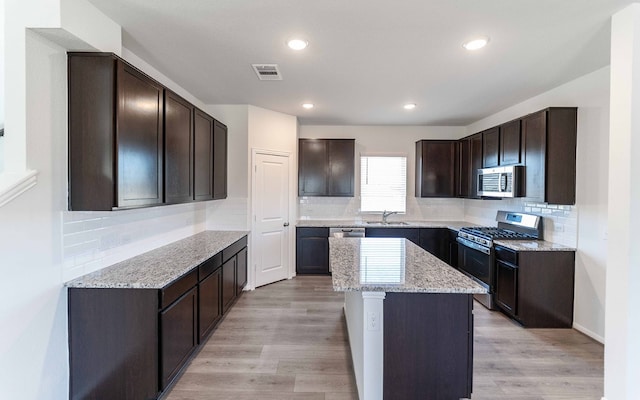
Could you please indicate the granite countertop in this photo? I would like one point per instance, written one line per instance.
(157, 268)
(337, 223)
(532, 245)
(392, 265)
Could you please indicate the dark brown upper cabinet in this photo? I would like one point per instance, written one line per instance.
(501, 145)
(436, 168)
(470, 151)
(219, 160)
(203, 156)
(178, 153)
(115, 134)
(326, 167)
(510, 143)
(549, 154)
(491, 147)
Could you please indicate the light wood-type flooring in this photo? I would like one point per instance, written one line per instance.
(287, 341)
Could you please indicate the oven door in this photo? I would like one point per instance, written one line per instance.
(476, 261)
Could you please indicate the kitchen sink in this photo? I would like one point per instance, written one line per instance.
(387, 223)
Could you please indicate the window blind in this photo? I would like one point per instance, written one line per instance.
(383, 183)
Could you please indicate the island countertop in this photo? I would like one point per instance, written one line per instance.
(393, 265)
(157, 268)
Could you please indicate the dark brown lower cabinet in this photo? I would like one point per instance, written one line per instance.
(209, 303)
(228, 283)
(412, 234)
(113, 343)
(312, 251)
(428, 346)
(241, 270)
(132, 344)
(536, 287)
(178, 335)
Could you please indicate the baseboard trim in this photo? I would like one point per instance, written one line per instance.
(589, 333)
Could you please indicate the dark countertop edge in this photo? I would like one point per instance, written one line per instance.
(77, 283)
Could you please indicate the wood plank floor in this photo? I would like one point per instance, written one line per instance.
(287, 341)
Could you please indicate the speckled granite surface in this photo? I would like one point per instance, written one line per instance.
(392, 265)
(157, 268)
(336, 223)
(532, 245)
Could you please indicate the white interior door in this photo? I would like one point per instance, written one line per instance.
(271, 217)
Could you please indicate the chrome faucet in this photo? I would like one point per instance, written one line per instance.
(385, 215)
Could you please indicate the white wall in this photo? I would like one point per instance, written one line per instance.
(277, 132)
(586, 222)
(233, 212)
(2, 95)
(622, 346)
(398, 140)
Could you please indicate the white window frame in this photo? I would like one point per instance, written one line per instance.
(372, 210)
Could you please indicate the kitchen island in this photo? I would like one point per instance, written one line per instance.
(409, 318)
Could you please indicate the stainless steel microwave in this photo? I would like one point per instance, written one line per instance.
(501, 181)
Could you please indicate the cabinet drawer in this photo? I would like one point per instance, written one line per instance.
(505, 254)
(234, 249)
(206, 268)
(312, 232)
(177, 288)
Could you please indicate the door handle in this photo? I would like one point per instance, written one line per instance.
(285, 224)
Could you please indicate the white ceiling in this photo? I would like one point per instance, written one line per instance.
(366, 58)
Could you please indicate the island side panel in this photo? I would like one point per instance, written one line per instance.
(428, 346)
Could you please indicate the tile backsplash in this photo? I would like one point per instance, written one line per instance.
(560, 222)
(349, 208)
(94, 240)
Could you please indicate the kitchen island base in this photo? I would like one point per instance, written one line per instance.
(411, 345)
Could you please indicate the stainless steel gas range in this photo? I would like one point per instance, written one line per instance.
(476, 256)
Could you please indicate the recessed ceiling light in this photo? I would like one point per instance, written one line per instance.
(410, 106)
(476, 44)
(307, 106)
(297, 44)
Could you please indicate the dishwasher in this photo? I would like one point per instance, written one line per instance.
(345, 233)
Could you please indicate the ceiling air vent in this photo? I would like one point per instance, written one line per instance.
(267, 72)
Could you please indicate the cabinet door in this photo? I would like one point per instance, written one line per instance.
(435, 241)
(476, 163)
(464, 177)
(139, 139)
(178, 335)
(178, 167)
(341, 167)
(228, 283)
(312, 167)
(510, 143)
(412, 234)
(436, 168)
(507, 287)
(534, 129)
(241, 268)
(209, 303)
(203, 156)
(490, 147)
(312, 251)
(219, 160)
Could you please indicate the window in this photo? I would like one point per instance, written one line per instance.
(383, 183)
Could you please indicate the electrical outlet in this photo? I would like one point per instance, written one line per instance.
(373, 321)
